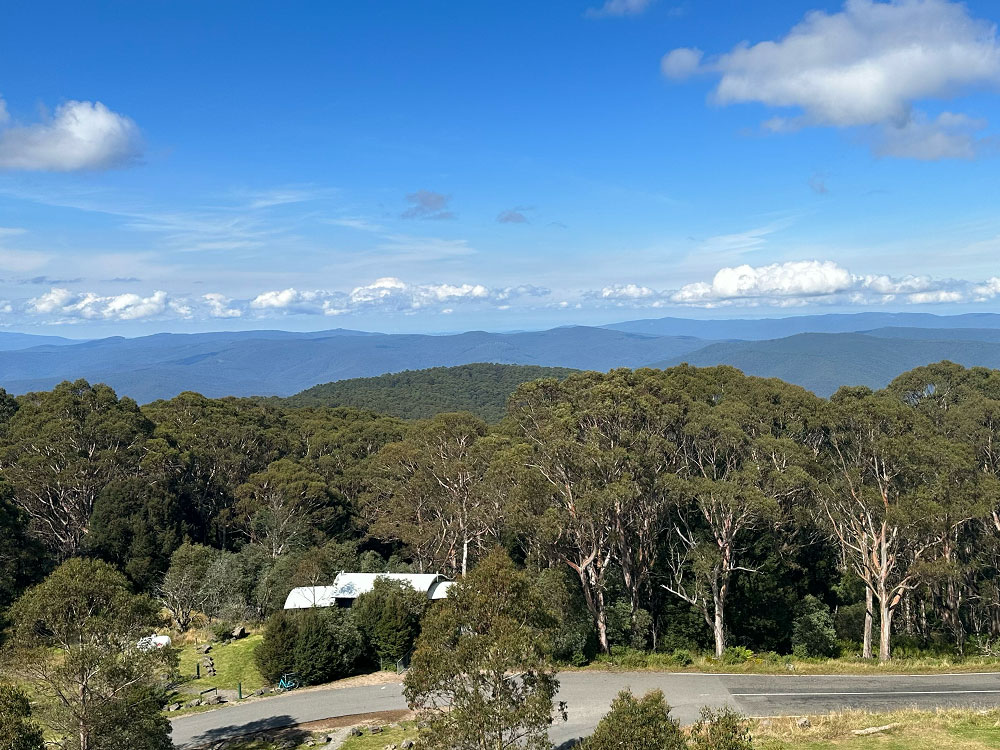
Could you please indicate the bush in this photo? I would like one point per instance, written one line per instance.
(327, 646)
(17, 730)
(625, 631)
(574, 638)
(813, 633)
(721, 730)
(388, 617)
(736, 655)
(637, 724)
(681, 657)
(275, 654)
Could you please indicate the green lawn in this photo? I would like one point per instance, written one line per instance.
(233, 663)
(918, 730)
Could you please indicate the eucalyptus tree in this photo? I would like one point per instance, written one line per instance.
(598, 442)
(287, 506)
(887, 463)
(964, 522)
(432, 493)
(75, 639)
(210, 447)
(746, 446)
(482, 676)
(61, 448)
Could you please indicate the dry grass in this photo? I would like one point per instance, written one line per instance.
(946, 729)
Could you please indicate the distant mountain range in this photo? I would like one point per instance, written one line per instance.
(819, 352)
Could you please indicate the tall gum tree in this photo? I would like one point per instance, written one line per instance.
(605, 445)
(745, 444)
(883, 456)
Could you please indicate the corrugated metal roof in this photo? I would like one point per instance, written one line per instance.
(353, 585)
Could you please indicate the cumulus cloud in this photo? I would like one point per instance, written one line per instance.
(219, 306)
(63, 304)
(865, 66)
(389, 294)
(800, 283)
(79, 136)
(620, 8)
(426, 204)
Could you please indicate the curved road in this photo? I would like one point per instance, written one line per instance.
(588, 695)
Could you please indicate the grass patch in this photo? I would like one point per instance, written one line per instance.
(234, 664)
(771, 663)
(952, 729)
(388, 736)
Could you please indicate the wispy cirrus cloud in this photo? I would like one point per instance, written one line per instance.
(79, 136)
(865, 67)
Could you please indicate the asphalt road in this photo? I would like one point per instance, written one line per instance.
(588, 695)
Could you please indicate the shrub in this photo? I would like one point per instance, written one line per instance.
(626, 631)
(637, 724)
(574, 638)
(721, 730)
(813, 633)
(275, 654)
(327, 646)
(388, 617)
(17, 730)
(736, 655)
(681, 657)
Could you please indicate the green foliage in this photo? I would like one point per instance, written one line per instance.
(492, 625)
(482, 389)
(134, 721)
(736, 655)
(573, 638)
(637, 724)
(319, 644)
(183, 590)
(723, 729)
(22, 559)
(813, 633)
(17, 730)
(275, 654)
(389, 617)
(75, 638)
(328, 645)
(681, 657)
(61, 448)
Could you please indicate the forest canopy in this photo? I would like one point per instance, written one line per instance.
(676, 510)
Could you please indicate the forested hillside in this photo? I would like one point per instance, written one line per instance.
(686, 508)
(481, 388)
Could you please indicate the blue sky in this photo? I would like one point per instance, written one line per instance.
(435, 166)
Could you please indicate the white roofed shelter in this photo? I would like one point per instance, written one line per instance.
(349, 586)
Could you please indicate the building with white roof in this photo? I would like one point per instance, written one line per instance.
(349, 586)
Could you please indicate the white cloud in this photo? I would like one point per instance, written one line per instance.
(865, 66)
(800, 283)
(389, 294)
(620, 8)
(799, 278)
(681, 63)
(626, 292)
(80, 136)
(66, 305)
(218, 306)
